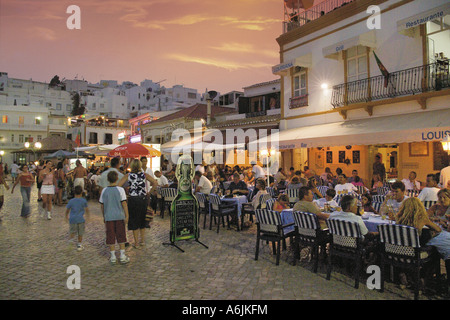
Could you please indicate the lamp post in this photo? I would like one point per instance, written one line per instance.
(37, 145)
(1, 155)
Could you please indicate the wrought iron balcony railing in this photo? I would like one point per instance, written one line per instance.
(297, 19)
(430, 77)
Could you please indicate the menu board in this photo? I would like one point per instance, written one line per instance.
(440, 156)
(184, 219)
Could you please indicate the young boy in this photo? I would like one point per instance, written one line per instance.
(329, 195)
(115, 215)
(77, 207)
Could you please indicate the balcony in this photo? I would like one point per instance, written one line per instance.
(421, 79)
(296, 19)
(297, 102)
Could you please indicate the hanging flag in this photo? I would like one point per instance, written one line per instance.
(383, 70)
(78, 138)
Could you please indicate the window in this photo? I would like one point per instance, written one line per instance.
(21, 120)
(356, 63)
(300, 88)
(68, 107)
(12, 138)
(94, 106)
(438, 33)
(4, 119)
(108, 138)
(21, 138)
(192, 95)
(58, 106)
(39, 137)
(102, 105)
(37, 120)
(93, 137)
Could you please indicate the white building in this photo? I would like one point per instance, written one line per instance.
(108, 102)
(20, 92)
(20, 124)
(336, 105)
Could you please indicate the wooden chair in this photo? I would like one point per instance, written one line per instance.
(270, 228)
(400, 247)
(221, 210)
(346, 242)
(308, 233)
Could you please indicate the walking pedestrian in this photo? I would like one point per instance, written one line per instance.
(79, 175)
(14, 172)
(137, 201)
(39, 168)
(26, 180)
(60, 183)
(3, 185)
(77, 207)
(114, 207)
(48, 178)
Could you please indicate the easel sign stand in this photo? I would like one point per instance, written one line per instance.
(184, 210)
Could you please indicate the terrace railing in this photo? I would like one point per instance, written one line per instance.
(430, 77)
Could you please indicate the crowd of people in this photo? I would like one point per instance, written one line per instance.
(129, 193)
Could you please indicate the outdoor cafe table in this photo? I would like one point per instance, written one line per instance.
(239, 200)
(370, 220)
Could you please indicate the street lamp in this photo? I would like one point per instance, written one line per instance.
(1, 155)
(33, 148)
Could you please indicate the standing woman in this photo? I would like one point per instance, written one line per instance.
(25, 179)
(61, 182)
(137, 200)
(48, 178)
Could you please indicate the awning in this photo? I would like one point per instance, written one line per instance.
(408, 26)
(367, 39)
(412, 127)
(282, 69)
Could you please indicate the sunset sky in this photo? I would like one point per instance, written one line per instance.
(219, 45)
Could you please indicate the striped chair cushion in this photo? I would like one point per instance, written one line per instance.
(322, 189)
(377, 205)
(268, 220)
(263, 200)
(345, 233)
(169, 193)
(293, 194)
(400, 240)
(270, 203)
(412, 193)
(307, 223)
(214, 199)
(378, 198)
(201, 198)
(383, 190)
(271, 191)
(429, 204)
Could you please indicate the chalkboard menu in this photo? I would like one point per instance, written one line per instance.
(184, 219)
(440, 156)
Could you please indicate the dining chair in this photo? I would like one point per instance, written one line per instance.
(167, 195)
(322, 189)
(203, 204)
(412, 193)
(221, 210)
(269, 203)
(247, 208)
(383, 190)
(428, 204)
(346, 242)
(378, 198)
(308, 233)
(377, 206)
(293, 195)
(271, 191)
(269, 227)
(400, 247)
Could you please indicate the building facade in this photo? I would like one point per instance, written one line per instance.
(364, 78)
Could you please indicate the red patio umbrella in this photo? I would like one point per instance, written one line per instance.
(134, 150)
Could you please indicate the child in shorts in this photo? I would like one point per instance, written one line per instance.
(113, 201)
(77, 206)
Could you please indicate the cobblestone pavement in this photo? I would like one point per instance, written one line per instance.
(35, 254)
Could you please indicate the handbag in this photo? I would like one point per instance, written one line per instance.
(149, 214)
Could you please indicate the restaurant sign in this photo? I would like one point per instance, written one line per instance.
(434, 135)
